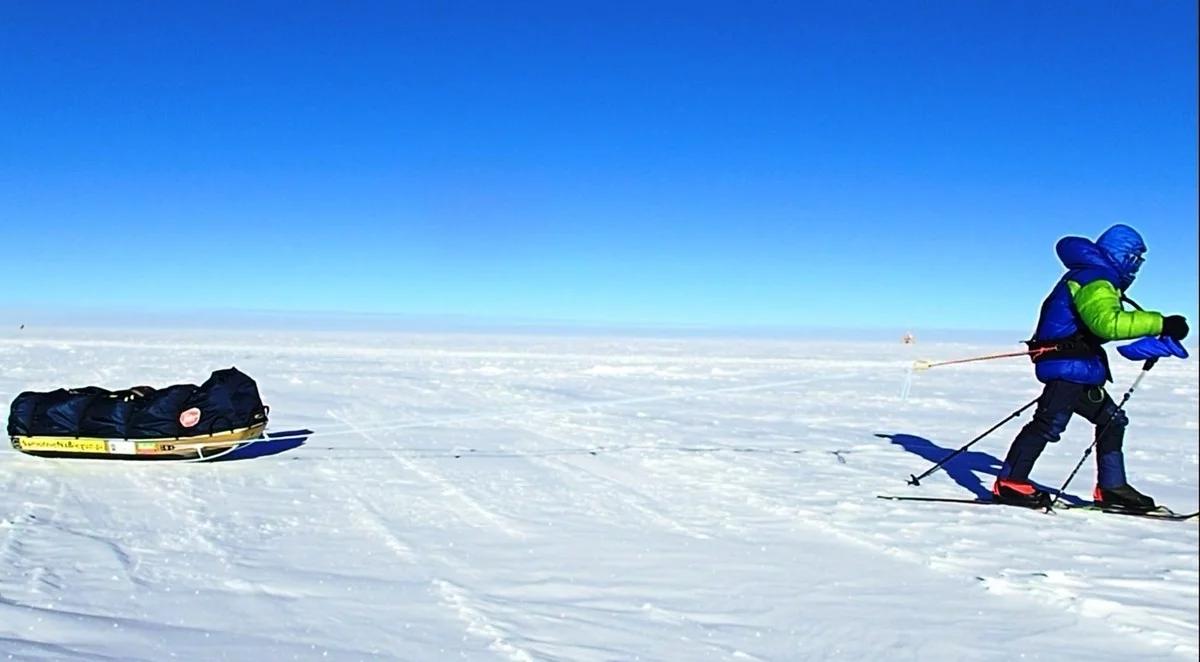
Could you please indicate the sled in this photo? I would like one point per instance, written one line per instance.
(180, 422)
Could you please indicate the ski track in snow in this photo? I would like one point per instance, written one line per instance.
(474, 509)
(541, 498)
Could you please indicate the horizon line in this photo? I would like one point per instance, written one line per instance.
(209, 318)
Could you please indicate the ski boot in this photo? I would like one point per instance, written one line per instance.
(1019, 493)
(1123, 497)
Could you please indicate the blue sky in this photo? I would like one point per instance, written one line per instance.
(847, 164)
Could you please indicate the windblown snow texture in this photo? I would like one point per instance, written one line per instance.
(541, 498)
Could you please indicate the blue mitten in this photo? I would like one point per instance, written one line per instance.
(1153, 347)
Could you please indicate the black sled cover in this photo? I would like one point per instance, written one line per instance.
(227, 401)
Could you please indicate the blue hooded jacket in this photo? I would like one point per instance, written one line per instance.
(1086, 305)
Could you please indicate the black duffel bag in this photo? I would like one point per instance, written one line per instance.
(228, 400)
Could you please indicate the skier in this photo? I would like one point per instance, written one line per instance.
(1083, 311)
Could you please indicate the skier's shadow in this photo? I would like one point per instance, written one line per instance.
(972, 470)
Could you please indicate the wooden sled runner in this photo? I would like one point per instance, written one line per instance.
(200, 447)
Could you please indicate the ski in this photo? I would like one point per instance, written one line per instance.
(981, 502)
(1161, 512)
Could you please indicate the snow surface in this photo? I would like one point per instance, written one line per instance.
(565, 498)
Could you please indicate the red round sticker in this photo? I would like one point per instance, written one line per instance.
(190, 417)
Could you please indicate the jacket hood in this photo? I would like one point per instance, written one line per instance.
(1081, 253)
(1117, 252)
(1124, 247)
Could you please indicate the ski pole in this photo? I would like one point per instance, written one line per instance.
(916, 480)
(1125, 398)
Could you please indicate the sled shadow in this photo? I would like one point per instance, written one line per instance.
(974, 471)
(274, 444)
